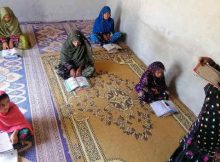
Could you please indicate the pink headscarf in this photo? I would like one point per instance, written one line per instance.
(2, 92)
(13, 120)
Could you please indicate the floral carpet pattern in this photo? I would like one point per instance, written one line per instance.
(111, 100)
(65, 123)
(13, 81)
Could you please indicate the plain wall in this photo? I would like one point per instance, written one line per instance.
(176, 33)
(54, 10)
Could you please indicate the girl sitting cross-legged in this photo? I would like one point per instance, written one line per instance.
(103, 29)
(152, 86)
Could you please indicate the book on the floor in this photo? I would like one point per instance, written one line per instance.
(112, 47)
(10, 156)
(208, 73)
(5, 144)
(72, 84)
(10, 53)
(163, 108)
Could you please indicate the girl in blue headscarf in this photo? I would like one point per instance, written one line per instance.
(103, 29)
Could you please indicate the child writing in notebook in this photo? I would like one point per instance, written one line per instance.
(152, 86)
(13, 121)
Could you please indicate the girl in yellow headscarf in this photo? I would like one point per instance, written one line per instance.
(10, 31)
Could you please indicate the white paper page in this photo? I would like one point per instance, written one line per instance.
(16, 51)
(108, 47)
(159, 108)
(10, 53)
(112, 47)
(6, 52)
(10, 156)
(5, 144)
(170, 105)
(116, 46)
(83, 82)
(71, 84)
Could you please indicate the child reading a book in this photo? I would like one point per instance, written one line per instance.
(152, 86)
(13, 121)
(76, 57)
(103, 29)
(10, 32)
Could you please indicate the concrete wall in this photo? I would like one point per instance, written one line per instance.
(54, 10)
(176, 33)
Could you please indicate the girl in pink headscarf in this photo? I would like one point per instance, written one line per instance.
(13, 121)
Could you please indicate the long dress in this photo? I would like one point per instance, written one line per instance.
(202, 143)
(148, 82)
(11, 31)
(72, 57)
(102, 26)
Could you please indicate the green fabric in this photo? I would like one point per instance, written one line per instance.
(23, 42)
(8, 28)
(80, 55)
(12, 28)
(88, 71)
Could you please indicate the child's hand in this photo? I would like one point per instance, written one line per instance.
(79, 72)
(14, 137)
(167, 92)
(72, 73)
(205, 60)
(106, 37)
(5, 46)
(11, 44)
(155, 90)
(141, 93)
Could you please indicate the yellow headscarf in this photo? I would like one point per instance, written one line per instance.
(8, 28)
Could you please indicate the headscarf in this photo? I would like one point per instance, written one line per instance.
(14, 119)
(157, 65)
(80, 55)
(149, 80)
(8, 28)
(101, 25)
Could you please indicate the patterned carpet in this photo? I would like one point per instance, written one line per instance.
(94, 126)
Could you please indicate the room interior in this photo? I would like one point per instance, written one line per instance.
(89, 126)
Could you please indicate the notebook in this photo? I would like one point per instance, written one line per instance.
(208, 73)
(112, 47)
(72, 84)
(10, 53)
(10, 156)
(163, 108)
(5, 143)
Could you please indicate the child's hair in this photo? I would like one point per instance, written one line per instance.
(3, 95)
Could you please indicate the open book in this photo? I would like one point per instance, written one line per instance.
(163, 107)
(11, 156)
(5, 144)
(72, 84)
(7, 153)
(112, 47)
(9, 53)
(208, 73)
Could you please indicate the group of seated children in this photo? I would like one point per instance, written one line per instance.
(200, 144)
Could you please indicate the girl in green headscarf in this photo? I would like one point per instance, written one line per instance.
(10, 31)
(76, 57)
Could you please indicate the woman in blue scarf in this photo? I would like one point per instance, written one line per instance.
(103, 29)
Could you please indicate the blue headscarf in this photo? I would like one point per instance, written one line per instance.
(101, 25)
